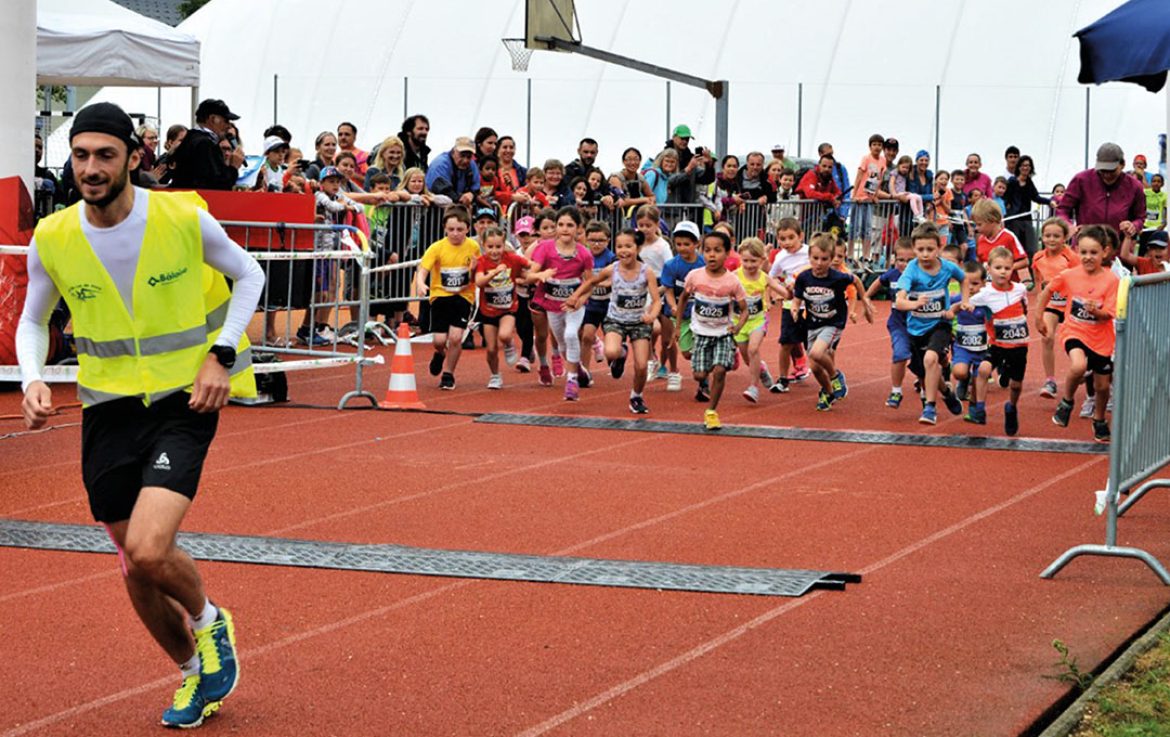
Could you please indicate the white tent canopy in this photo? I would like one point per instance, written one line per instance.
(1006, 71)
(98, 42)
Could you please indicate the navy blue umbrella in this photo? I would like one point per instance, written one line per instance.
(1131, 44)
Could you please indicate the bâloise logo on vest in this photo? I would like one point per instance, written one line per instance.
(84, 292)
(166, 277)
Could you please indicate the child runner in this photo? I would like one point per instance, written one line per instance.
(546, 228)
(572, 264)
(820, 291)
(988, 219)
(632, 310)
(672, 277)
(525, 232)
(896, 322)
(758, 287)
(969, 364)
(444, 276)
(791, 258)
(655, 253)
(1087, 332)
(1154, 262)
(1008, 302)
(922, 292)
(597, 235)
(1052, 259)
(713, 289)
(497, 272)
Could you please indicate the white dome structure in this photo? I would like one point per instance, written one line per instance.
(1005, 73)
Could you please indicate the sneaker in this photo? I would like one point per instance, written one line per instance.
(572, 394)
(324, 331)
(824, 401)
(1011, 419)
(711, 420)
(310, 338)
(1089, 406)
(511, 355)
(638, 406)
(584, 378)
(780, 387)
(216, 645)
(702, 393)
(765, 375)
(189, 705)
(523, 365)
(894, 401)
(447, 381)
(1048, 391)
(546, 378)
(674, 382)
(651, 368)
(495, 382)
(954, 406)
(1063, 413)
(752, 394)
(598, 350)
(1101, 431)
(558, 365)
(661, 373)
(929, 415)
(800, 373)
(1003, 380)
(840, 386)
(976, 416)
(436, 365)
(617, 367)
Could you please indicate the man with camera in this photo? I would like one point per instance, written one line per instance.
(680, 140)
(199, 162)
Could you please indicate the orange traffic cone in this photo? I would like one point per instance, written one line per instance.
(402, 392)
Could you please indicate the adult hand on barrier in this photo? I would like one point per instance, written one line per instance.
(37, 405)
(212, 386)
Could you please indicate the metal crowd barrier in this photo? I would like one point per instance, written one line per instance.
(1141, 413)
(317, 271)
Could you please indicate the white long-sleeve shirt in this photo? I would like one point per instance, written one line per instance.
(117, 248)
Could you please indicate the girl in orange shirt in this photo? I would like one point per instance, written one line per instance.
(1054, 258)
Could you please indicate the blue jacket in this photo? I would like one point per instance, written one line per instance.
(443, 177)
(913, 186)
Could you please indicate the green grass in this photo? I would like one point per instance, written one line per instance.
(1138, 705)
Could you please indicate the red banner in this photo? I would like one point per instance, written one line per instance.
(272, 208)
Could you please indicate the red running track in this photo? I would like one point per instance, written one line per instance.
(950, 632)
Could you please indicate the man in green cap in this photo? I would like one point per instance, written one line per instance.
(680, 140)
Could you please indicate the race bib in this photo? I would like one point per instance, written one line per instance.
(972, 337)
(1079, 310)
(1057, 300)
(630, 301)
(601, 293)
(560, 289)
(499, 297)
(1011, 330)
(453, 279)
(933, 308)
(712, 312)
(755, 304)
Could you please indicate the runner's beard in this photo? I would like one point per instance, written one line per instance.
(116, 186)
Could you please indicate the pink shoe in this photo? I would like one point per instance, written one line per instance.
(545, 376)
(558, 365)
(800, 370)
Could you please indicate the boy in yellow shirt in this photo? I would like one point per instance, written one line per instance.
(445, 277)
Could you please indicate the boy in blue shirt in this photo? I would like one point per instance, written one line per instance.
(923, 295)
(674, 275)
(896, 322)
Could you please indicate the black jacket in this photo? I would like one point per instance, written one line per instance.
(412, 159)
(199, 164)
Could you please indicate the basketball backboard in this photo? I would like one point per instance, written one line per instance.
(550, 19)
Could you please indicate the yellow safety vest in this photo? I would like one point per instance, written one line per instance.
(179, 303)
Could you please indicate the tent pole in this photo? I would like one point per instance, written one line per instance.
(668, 109)
(158, 105)
(194, 102)
(405, 97)
(721, 118)
(1088, 91)
(799, 118)
(275, 99)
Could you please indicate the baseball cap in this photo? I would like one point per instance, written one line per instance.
(1157, 239)
(682, 131)
(486, 212)
(212, 106)
(779, 147)
(463, 143)
(1109, 157)
(526, 224)
(329, 171)
(273, 142)
(108, 118)
(1139, 157)
(890, 143)
(688, 228)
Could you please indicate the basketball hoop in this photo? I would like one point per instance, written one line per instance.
(519, 52)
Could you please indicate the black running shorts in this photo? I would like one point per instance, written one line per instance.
(126, 445)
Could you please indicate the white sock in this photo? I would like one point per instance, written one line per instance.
(634, 394)
(206, 617)
(896, 390)
(191, 667)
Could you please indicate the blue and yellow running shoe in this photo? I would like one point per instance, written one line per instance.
(840, 386)
(190, 705)
(216, 644)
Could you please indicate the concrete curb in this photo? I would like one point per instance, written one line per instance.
(1064, 724)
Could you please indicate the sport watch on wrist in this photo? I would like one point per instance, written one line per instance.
(226, 355)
